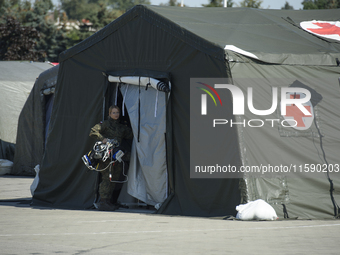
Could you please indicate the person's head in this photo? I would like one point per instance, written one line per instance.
(114, 112)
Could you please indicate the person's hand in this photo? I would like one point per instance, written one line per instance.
(104, 140)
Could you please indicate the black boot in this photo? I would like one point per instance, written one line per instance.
(105, 205)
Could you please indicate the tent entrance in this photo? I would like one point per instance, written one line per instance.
(145, 105)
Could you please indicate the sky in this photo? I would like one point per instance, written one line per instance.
(266, 4)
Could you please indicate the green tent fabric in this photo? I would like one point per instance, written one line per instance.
(274, 36)
(177, 44)
(32, 124)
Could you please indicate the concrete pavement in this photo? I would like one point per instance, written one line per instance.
(40, 230)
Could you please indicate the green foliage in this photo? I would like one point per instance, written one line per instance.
(7, 8)
(96, 11)
(218, 3)
(287, 7)
(87, 9)
(52, 41)
(173, 3)
(320, 4)
(251, 3)
(27, 34)
(42, 39)
(18, 42)
(102, 15)
(75, 36)
(124, 5)
(76, 10)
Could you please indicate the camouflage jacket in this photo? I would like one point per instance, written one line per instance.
(111, 129)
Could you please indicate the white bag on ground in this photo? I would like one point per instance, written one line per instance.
(36, 179)
(5, 166)
(256, 210)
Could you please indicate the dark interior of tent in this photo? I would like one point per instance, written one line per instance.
(110, 99)
(114, 96)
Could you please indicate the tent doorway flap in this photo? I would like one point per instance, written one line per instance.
(146, 107)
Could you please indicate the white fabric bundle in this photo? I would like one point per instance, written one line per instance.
(256, 210)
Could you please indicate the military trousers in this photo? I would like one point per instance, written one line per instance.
(106, 186)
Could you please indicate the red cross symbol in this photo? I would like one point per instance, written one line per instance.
(295, 112)
(326, 29)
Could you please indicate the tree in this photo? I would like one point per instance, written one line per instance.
(8, 7)
(93, 12)
(52, 41)
(218, 3)
(18, 42)
(251, 3)
(96, 11)
(76, 10)
(320, 4)
(102, 14)
(44, 41)
(287, 7)
(173, 3)
(124, 5)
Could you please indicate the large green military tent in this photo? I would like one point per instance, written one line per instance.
(33, 123)
(146, 61)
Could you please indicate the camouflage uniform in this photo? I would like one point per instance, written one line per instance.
(111, 129)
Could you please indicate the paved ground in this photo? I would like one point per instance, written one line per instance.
(39, 230)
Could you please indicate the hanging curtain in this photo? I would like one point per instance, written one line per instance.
(148, 169)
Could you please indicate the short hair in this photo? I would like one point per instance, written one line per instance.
(114, 107)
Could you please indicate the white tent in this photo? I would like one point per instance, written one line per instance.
(16, 82)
